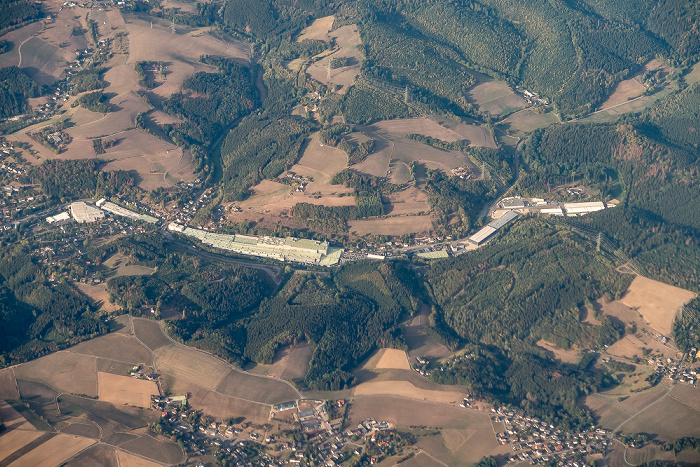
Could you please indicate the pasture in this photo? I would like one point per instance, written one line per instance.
(399, 225)
(611, 412)
(347, 40)
(99, 295)
(124, 390)
(494, 97)
(563, 355)
(63, 371)
(420, 344)
(623, 91)
(318, 30)
(418, 126)
(657, 302)
(525, 121)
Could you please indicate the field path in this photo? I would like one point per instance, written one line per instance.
(618, 427)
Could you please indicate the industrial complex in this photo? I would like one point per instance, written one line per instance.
(291, 249)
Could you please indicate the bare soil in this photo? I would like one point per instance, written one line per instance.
(399, 225)
(124, 390)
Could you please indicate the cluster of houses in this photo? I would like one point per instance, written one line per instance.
(537, 442)
(462, 172)
(297, 181)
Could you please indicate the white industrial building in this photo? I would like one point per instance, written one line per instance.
(583, 208)
(84, 213)
(485, 233)
(64, 216)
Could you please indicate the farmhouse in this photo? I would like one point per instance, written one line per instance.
(82, 213)
(291, 249)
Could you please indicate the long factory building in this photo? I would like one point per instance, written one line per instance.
(290, 249)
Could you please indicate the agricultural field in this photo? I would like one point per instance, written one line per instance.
(611, 411)
(157, 162)
(125, 348)
(99, 295)
(8, 384)
(420, 344)
(119, 262)
(54, 451)
(398, 225)
(190, 365)
(464, 436)
(318, 30)
(63, 371)
(291, 363)
(668, 418)
(407, 390)
(494, 97)
(348, 44)
(657, 302)
(255, 388)
(119, 390)
(520, 123)
(100, 455)
(388, 359)
(150, 333)
(219, 405)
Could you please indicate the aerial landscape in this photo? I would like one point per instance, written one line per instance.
(349, 233)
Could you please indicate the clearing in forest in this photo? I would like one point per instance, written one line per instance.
(318, 30)
(494, 97)
(408, 390)
(348, 43)
(399, 225)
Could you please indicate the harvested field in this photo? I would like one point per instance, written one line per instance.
(347, 40)
(657, 302)
(322, 158)
(191, 366)
(108, 416)
(563, 355)
(86, 430)
(54, 451)
(494, 97)
(126, 390)
(422, 460)
(126, 348)
(688, 457)
(64, 371)
(13, 419)
(99, 455)
(392, 359)
(392, 225)
(648, 454)
(17, 36)
(611, 412)
(129, 460)
(318, 30)
(8, 384)
(99, 295)
(687, 394)
(255, 388)
(41, 60)
(219, 405)
(14, 440)
(160, 450)
(290, 363)
(668, 418)
(150, 333)
(408, 390)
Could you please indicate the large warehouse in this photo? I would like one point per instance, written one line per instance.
(292, 249)
(485, 233)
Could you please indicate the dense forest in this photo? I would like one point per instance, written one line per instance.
(16, 12)
(15, 87)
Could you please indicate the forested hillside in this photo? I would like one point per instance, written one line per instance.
(15, 87)
(16, 12)
(38, 314)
